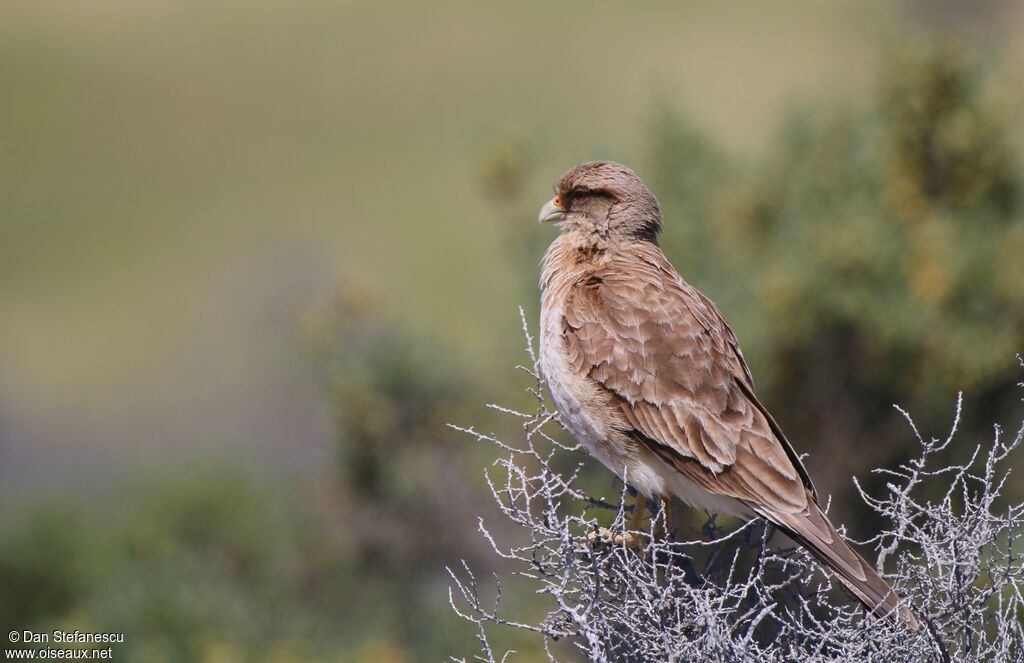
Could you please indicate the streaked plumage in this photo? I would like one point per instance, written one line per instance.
(648, 376)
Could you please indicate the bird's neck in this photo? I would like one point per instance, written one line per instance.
(573, 254)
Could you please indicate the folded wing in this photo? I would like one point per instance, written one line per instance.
(674, 369)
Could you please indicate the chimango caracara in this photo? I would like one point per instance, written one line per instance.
(647, 375)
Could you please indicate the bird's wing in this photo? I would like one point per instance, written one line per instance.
(674, 367)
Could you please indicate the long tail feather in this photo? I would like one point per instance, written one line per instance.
(814, 532)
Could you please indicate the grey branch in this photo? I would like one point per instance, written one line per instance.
(712, 594)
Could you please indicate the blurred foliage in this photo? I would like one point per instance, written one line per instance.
(212, 565)
(215, 564)
(218, 565)
(872, 256)
(409, 509)
(870, 260)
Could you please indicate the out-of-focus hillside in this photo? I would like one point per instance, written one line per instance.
(180, 180)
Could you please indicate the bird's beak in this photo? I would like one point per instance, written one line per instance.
(551, 211)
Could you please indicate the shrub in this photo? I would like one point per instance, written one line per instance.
(718, 595)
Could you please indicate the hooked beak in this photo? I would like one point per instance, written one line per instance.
(551, 211)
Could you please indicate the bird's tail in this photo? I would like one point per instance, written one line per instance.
(815, 533)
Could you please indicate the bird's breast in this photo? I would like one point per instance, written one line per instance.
(573, 394)
(580, 403)
(589, 416)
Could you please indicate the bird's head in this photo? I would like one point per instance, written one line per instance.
(605, 199)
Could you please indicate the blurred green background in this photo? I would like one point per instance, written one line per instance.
(253, 256)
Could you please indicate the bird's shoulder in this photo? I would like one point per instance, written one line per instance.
(631, 310)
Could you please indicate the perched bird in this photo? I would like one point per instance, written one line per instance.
(645, 372)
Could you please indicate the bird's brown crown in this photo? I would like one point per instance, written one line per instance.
(609, 198)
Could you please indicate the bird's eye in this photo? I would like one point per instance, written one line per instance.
(578, 198)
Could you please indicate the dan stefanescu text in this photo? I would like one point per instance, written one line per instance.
(74, 637)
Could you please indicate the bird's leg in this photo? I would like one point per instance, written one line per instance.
(639, 509)
(633, 536)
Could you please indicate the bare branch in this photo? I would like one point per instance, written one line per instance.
(717, 594)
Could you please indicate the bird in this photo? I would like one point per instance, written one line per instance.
(644, 371)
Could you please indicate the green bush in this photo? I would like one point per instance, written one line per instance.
(870, 256)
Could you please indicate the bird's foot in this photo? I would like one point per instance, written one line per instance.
(604, 536)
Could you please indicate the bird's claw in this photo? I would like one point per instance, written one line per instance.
(603, 536)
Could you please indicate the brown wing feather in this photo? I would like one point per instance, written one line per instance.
(665, 352)
(674, 367)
